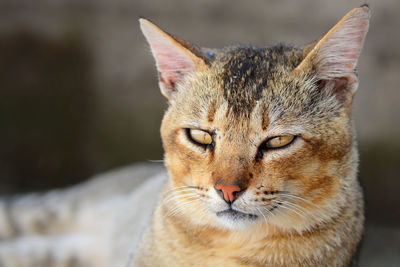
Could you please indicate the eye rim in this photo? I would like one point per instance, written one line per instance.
(279, 136)
(205, 146)
(265, 147)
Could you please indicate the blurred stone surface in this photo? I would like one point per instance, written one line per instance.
(124, 72)
(380, 247)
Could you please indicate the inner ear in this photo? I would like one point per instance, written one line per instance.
(175, 58)
(332, 59)
(342, 88)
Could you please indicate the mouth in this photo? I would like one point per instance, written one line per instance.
(236, 215)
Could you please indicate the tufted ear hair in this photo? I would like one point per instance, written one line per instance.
(333, 57)
(175, 59)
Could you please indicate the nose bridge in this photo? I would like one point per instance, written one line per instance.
(230, 168)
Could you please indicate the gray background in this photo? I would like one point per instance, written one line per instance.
(79, 95)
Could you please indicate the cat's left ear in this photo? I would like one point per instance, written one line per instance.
(333, 58)
(175, 58)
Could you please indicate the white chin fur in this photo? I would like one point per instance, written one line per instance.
(232, 223)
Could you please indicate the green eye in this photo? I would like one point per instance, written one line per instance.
(200, 137)
(280, 141)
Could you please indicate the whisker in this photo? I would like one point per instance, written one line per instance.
(285, 215)
(291, 209)
(181, 191)
(317, 211)
(180, 207)
(156, 160)
(177, 197)
(293, 205)
(271, 214)
(181, 188)
(265, 218)
(299, 198)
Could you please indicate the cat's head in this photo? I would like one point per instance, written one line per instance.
(260, 134)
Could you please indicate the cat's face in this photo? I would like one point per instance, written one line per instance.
(259, 135)
(283, 181)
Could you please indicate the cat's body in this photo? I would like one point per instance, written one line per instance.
(89, 225)
(261, 155)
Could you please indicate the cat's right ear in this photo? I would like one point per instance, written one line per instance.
(175, 59)
(333, 57)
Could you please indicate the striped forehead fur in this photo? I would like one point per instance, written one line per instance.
(246, 72)
(244, 76)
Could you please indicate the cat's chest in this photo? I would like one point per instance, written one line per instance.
(225, 257)
(294, 251)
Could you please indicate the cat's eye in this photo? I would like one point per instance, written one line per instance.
(279, 141)
(200, 137)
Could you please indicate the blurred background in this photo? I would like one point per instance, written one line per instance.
(79, 95)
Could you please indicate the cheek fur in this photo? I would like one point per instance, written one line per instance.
(190, 167)
(303, 173)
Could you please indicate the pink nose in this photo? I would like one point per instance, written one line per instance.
(228, 191)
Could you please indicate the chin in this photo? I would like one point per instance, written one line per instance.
(235, 220)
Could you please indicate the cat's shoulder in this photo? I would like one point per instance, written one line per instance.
(125, 180)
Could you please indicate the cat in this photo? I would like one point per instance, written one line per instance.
(261, 167)
(260, 151)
